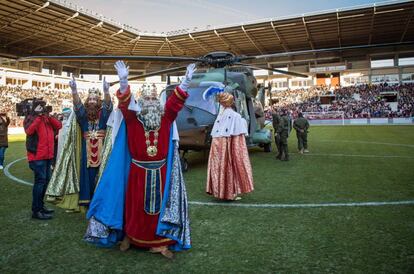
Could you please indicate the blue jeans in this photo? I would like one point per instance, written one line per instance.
(42, 174)
(2, 152)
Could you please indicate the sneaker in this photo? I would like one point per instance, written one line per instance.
(306, 151)
(1, 167)
(41, 216)
(300, 151)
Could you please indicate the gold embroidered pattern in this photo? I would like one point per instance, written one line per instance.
(150, 242)
(178, 95)
(94, 143)
(122, 100)
(152, 150)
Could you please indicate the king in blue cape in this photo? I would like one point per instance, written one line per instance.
(141, 197)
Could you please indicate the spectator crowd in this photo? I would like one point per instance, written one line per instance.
(11, 95)
(364, 101)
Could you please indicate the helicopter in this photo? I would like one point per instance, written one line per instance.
(196, 119)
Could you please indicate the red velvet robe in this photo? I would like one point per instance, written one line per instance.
(138, 225)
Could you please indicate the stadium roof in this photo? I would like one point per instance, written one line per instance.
(36, 27)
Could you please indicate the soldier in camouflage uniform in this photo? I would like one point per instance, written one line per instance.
(301, 126)
(276, 119)
(283, 132)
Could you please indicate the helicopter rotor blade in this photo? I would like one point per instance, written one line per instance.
(291, 73)
(153, 73)
(301, 52)
(129, 58)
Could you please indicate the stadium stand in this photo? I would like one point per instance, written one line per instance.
(57, 98)
(10, 95)
(362, 101)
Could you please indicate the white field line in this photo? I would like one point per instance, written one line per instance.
(357, 155)
(312, 205)
(230, 204)
(10, 176)
(367, 142)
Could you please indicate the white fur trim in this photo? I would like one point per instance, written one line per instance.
(229, 123)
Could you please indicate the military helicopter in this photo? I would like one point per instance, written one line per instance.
(196, 119)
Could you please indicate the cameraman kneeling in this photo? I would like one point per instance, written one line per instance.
(39, 127)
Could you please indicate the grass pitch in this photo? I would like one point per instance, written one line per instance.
(346, 164)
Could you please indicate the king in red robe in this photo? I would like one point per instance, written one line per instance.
(148, 143)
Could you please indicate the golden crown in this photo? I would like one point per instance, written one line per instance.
(148, 90)
(94, 92)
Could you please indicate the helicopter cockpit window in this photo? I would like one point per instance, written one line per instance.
(195, 99)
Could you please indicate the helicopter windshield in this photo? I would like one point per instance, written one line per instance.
(195, 99)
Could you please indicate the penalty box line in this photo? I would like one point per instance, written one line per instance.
(230, 204)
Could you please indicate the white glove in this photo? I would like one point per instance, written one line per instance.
(123, 72)
(105, 86)
(72, 85)
(191, 68)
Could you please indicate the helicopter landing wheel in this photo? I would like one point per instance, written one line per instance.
(184, 164)
(267, 147)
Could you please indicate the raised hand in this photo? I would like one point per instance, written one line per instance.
(72, 85)
(105, 86)
(123, 72)
(191, 68)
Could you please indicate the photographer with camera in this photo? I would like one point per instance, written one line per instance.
(40, 128)
(4, 141)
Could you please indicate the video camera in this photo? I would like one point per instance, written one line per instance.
(25, 107)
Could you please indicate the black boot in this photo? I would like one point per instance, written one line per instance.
(41, 216)
(285, 156)
(47, 210)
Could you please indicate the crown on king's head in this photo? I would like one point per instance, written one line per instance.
(94, 92)
(149, 91)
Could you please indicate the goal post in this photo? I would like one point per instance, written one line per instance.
(325, 115)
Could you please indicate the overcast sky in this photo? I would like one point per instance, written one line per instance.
(167, 15)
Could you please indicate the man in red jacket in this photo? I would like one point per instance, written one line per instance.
(40, 140)
(4, 142)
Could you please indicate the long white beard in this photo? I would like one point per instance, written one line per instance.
(151, 114)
